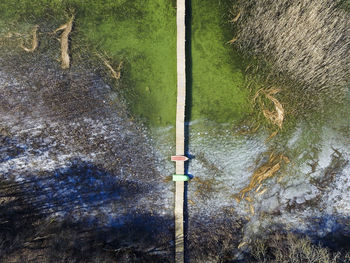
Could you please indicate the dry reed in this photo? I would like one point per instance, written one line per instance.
(308, 39)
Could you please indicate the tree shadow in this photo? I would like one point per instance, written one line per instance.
(9, 148)
(57, 216)
(330, 230)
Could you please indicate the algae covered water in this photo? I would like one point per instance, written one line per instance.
(217, 81)
(142, 35)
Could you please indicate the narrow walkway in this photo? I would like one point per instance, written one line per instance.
(180, 131)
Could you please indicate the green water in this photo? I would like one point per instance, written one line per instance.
(145, 38)
(142, 33)
(217, 92)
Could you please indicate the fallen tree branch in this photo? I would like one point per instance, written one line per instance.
(115, 74)
(34, 41)
(64, 40)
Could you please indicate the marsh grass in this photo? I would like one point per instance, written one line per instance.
(291, 102)
(215, 240)
(307, 39)
(205, 188)
(290, 248)
(300, 48)
(344, 4)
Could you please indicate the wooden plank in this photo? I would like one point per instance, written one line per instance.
(180, 130)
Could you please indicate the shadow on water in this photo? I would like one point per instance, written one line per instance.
(188, 111)
(30, 225)
(81, 185)
(10, 148)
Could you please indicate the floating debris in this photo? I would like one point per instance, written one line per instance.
(252, 210)
(236, 198)
(115, 74)
(277, 116)
(262, 191)
(235, 19)
(249, 199)
(233, 40)
(264, 172)
(336, 153)
(271, 136)
(285, 159)
(64, 40)
(191, 202)
(257, 189)
(242, 244)
(280, 179)
(168, 179)
(34, 41)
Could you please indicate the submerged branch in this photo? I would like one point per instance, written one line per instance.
(264, 172)
(64, 40)
(115, 74)
(34, 41)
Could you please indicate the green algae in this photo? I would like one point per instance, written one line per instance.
(143, 35)
(218, 91)
(145, 39)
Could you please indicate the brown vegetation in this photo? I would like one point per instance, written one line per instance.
(308, 39)
(264, 172)
(215, 240)
(276, 117)
(282, 248)
(205, 188)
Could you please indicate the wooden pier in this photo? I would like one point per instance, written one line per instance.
(180, 132)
